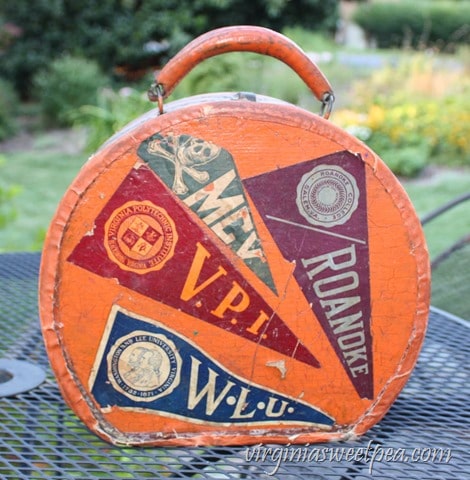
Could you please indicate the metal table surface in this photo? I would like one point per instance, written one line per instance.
(425, 435)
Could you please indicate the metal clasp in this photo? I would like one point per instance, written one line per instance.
(155, 93)
(327, 104)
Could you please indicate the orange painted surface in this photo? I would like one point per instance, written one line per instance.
(77, 292)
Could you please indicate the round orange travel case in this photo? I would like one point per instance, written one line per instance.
(233, 269)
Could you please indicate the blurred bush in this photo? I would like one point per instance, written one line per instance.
(422, 23)
(65, 85)
(112, 111)
(8, 109)
(127, 37)
(413, 114)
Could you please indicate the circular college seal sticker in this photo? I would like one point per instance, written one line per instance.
(140, 237)
(144, 366)
(327, 196)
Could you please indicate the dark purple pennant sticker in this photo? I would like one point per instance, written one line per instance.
(316, 212)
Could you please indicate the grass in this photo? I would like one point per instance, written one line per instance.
(449, 277)
(43, 174)
(428, 194)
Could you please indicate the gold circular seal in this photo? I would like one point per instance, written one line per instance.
(140, 237)
(144, 366)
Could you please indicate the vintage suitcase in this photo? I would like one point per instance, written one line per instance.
(232, 269)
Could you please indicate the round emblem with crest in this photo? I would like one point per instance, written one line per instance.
(144, 366)
(327, 196)
(140, 237)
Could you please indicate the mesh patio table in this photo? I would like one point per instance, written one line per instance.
(425, 435)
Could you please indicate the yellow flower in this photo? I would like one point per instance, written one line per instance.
(376, 117)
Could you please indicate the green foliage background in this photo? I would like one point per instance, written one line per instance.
(65, 86)
(8, 109)
(133, 33)
(414, 111)
(421, 23)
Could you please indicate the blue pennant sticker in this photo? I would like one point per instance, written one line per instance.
(142, 365)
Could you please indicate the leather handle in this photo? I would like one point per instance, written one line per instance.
(242, 39)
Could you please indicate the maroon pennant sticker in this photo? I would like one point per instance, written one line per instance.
(318, 217)
(149, 241)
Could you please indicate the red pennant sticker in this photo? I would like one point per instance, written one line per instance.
(150, 242)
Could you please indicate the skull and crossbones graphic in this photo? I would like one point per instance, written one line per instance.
(185, 153)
